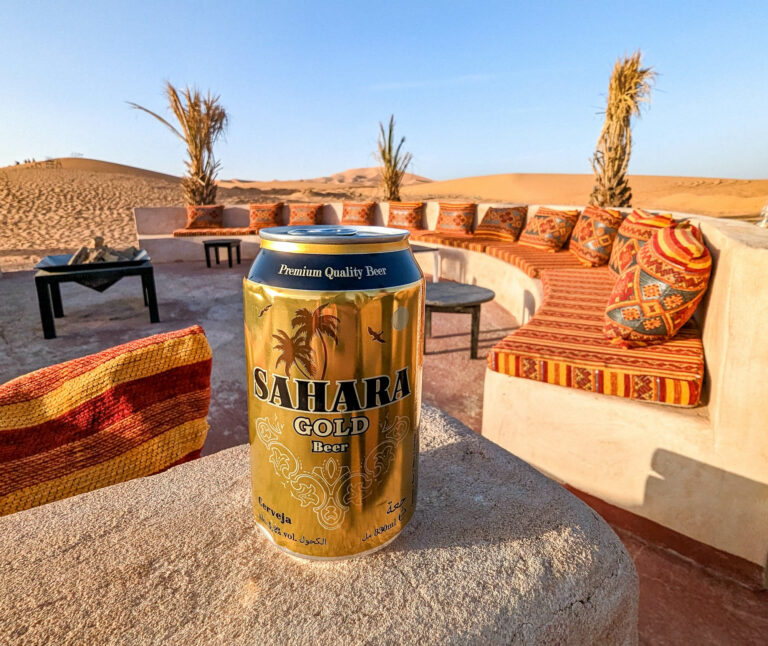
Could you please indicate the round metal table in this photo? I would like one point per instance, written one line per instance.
(456, 298)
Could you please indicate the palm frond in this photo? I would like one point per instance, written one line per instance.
(202, 122)
(394, 162)
(629, 87)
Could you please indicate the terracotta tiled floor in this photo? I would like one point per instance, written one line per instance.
(680, 602)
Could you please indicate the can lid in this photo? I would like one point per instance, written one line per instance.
(333, 234)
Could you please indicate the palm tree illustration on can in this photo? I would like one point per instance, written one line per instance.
(317, 324)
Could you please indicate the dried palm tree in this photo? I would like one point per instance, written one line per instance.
(203, 120)
(394, 162)
(630, 86)
(311, 324)
(295, 351)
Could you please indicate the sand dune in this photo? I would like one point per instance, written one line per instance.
(706, 196)
(55, 207)
(352, 178)
(365, 177)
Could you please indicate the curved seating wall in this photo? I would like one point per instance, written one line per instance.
(702, 472)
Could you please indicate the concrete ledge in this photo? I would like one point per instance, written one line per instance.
(515, 291)
(496, 554)
(169, 249)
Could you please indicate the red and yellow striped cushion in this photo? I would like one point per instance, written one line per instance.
(441, 237)
(532, 260)
(219, 231)
(455, 218)
(130, 411)
(564, 344)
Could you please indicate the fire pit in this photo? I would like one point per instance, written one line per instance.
(93, 268)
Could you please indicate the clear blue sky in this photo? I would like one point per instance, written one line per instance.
(476, 87)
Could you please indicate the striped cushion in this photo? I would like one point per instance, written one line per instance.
(455, 218)
(263, 216)
(503, 223)
(549, 229)
(207, 216)
(532, 260)
(660, 291)
(634, 232)
(593, 235)
(406, 215)
(564, 344)
(440, 237)
(358, 213)
(126, 412)
(220, 231)
(305, 214)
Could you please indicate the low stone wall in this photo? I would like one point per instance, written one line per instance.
(495, 554)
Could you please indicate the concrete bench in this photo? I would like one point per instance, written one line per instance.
(495, 554)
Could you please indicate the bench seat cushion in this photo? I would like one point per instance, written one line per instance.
(218, 231)
(441, 237)
(532, 260)
(564, 344)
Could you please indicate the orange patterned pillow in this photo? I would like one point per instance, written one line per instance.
(660, 291)
(305, 214)
(549, 229)
(593, 235)
(503, 223)
(208, 216)
(406, 215)
(634, 232)
(358, 213)
(262, 216)
(456, 218)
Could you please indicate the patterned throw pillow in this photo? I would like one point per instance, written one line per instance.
(358, 213)
(503, 223)
(660, 291)
(634, 232)
(209, 216)
(456, 218)
(406, 215)
(262, 216)
(304, 214)
(593, 235)
(549, 229)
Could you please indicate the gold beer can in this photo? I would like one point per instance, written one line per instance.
(334, 324)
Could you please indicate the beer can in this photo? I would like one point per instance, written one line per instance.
(334, 324)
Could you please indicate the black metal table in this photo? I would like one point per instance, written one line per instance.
(457, 298)
(49, 294)
(219, 243)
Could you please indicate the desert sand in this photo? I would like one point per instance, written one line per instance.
(58, 206)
